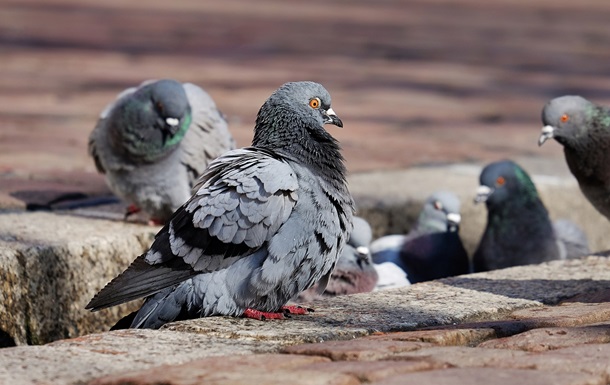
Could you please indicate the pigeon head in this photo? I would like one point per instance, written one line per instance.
(151, 121)
(504, 181)
(441, 213)
(295, 114)
(171, 106)
(565, 119)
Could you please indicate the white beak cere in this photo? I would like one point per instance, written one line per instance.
(546, 134)
(362, 250)
(172, 121)
(454, 218)
(483, 193)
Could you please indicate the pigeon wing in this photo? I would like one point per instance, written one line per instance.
(241, 201)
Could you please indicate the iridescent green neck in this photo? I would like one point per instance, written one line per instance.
(186, 122)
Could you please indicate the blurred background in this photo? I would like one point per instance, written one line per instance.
(416, 82)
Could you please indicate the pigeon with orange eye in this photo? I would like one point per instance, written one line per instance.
(433, 248)
(583, 129)
(519, 230)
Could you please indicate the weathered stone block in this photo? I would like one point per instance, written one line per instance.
(51, 265)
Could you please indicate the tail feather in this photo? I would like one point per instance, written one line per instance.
(140, 280)
(166, 306)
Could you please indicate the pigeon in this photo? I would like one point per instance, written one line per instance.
(583, 129)
(354, 272)
(154, 141)
(390, 276)
(265, 223)
(433, 248)
(519, 230)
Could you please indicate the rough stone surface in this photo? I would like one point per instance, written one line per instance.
(84, 358)
(494, 376)
(462, 356)
(592, 359)
(362, 349)
(370, 371)
(566, 314)
(442, 337)
(543, 339)
(259, 369)
(51, 265)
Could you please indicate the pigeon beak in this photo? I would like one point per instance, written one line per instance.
(483, 192)
(547, 133)
(453, 221)
(332, 118)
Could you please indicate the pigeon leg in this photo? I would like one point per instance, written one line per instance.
(131, 209)
(261, 315)
(296, 309)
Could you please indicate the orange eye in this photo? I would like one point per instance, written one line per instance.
(564, 118)
(314, 103)
(500, 181)
(438, 205)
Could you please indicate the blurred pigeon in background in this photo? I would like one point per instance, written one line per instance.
(390, 276)
(265, 223)
(433, 248)
(583, 129)
(154, 141)
(354, 272)
(519, 230)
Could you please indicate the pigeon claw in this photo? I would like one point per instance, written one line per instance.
(131, 209)
(262, 316)
(296, 309)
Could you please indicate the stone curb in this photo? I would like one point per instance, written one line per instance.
(457, 316)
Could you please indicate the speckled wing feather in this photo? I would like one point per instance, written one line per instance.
(241, 202)
(208, 136)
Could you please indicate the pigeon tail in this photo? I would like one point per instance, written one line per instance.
(140, 280)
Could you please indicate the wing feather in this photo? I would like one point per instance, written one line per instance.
(231, 215)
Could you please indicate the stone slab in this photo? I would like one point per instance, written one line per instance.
(258, 369)
(476, 376)
(478, 297)
(51, 265)
(77, 360)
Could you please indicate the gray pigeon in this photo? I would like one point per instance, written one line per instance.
(354, 272)
(519, 230)
(265, 223)
(433, 248)
(583, 129)
(154, 141)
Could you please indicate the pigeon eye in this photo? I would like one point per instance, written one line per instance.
(500, 181)
(314, 103)
(438, 205)
(564, 118)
